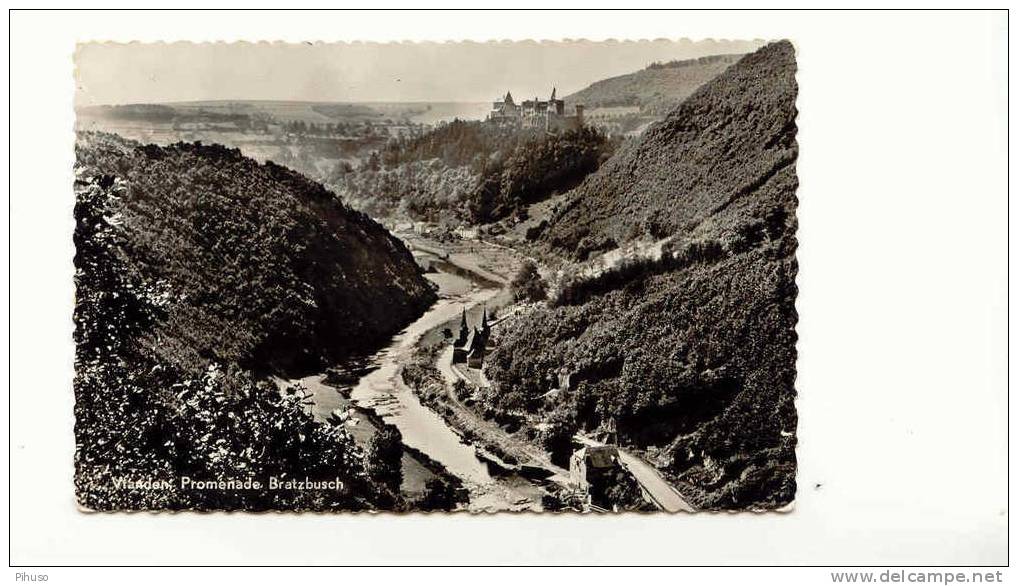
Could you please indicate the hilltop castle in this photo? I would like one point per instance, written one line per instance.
(546, 115)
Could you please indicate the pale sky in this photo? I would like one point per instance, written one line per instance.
(364, 72)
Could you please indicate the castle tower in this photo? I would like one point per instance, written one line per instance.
(556, 106)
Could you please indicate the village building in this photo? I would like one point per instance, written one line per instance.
(485, 326)
(549, 115)
(475, 349)
(592, 464)
(464, 330)
(603, 482)
(459, 346)
(470, 346)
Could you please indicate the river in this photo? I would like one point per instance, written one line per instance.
(421, 427)
(380, 390)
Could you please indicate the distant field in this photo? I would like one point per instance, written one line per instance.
(258, 147)
(310, 137)
(286, 111)
(434, 112)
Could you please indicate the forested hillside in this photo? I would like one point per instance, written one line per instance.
(689, 359)
(264, 268)
(472, 172)
(199, 272)
(657, 88)
(733, 138)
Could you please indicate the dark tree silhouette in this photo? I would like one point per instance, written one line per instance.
(527, 284)
(438, 496)
(384, 458)
(557, 437)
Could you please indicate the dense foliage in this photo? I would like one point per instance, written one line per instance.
(458, 143)
(691, 357)
(419, 190)
(141, 420)
(704, 160)
(385, 458)
(193, 265)
(472, 172)
(438, 495)
(527, 284)
(264, 268)
(616, 490)
(557, 435)
(535, 169)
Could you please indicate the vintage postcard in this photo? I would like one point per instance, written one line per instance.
(507, 276)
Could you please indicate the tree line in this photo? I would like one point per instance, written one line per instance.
(471, 171)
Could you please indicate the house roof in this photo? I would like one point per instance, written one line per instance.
(475, 342)
(600, 456)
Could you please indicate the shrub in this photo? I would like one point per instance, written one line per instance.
(557, 437)
(384, 458)
(527, 284)
(438, 496)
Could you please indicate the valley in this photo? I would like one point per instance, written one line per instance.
(517, 313)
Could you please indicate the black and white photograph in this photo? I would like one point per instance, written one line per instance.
(577, 295)
(508, 294)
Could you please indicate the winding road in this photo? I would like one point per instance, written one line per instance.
(382, 390)
(526, 454)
